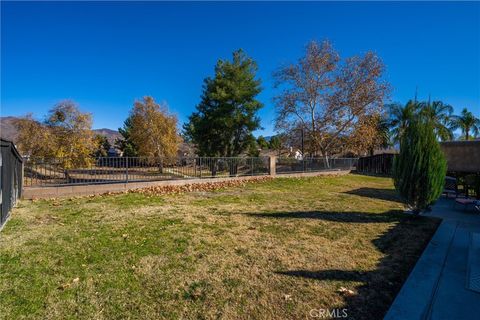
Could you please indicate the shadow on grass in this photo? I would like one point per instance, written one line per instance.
(401, 245)
(375, 193)
(340, 275)
(351, 216)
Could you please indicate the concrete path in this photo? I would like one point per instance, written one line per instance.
(445, 283)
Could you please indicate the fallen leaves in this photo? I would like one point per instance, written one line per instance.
(196, 187)
(170, 189)
(345, 291)
(67, 285)
(287, 297)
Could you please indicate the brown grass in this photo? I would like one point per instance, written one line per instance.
(271, 250)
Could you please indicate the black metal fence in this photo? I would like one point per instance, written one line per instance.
(57, 172)
(380, 164)
(10, 178)
(54, 172)
(292, 165)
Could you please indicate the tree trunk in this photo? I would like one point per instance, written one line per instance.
(160, 166)
(327, 163)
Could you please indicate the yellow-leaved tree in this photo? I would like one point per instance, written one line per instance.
(369, 133)
(154, 131)
(65, 135)
(34, 139)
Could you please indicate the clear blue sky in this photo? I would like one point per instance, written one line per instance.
(104, 55)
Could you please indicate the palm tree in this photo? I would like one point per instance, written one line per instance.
(384, 135)
(399, 117)
(467, 122)
(440, 115)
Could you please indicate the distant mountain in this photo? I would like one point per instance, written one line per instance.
(9, 132)
(111, 135)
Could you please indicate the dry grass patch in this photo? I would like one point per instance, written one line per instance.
(270, 250)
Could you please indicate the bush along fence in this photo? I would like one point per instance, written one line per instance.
(57, 172)
(10, 178)
(380, 164)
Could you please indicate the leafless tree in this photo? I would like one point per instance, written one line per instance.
(326, 97)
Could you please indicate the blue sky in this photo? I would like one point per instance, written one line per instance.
(104, 55)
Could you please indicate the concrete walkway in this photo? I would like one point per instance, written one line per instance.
(445, 283)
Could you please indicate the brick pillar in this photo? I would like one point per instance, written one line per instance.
(272, 166)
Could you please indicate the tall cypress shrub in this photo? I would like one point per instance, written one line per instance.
(419, 170)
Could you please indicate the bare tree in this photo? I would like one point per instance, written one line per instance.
(326, 98)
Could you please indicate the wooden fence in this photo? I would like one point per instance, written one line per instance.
(380, 164)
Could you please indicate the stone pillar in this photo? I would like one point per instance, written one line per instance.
(272, 161)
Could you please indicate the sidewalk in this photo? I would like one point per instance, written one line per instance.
(445, 283)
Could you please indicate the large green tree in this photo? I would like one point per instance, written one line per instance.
(419, 170)
(126, 144)
(276, 143)
(227, 113)
(102, 146)
(262, 143)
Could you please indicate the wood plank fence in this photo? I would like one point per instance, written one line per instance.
(380, 164)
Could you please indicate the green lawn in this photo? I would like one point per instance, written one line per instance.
(269, 250)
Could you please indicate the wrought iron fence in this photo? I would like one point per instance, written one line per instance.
(292, 165)
(54, 172)
(10, 178)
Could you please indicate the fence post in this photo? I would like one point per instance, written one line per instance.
(21, 178)
(200, 162)
(194, 167)
(272, 165)
(126, 168)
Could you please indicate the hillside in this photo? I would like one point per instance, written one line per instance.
(111, 135)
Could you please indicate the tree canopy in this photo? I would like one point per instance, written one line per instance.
(262, 142)
(419, 170)
(126, 144)
(102, 146)
(467, 123)
(154, 130)
(398, 118)
(65, 134)
(227, 113)
(327, 97)
(440, 116)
